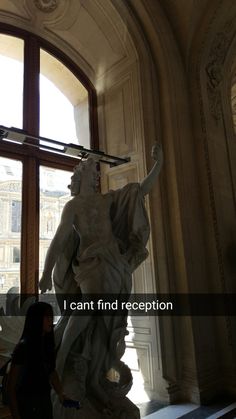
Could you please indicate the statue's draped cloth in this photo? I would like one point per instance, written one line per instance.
(104, 268)
(131, 231)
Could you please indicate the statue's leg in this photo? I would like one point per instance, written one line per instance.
(75, 326)
(100, 348)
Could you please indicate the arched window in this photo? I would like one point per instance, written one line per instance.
(44, 93)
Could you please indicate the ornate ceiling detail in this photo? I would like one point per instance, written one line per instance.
(51, 13)
(106, 45)
(46, 6)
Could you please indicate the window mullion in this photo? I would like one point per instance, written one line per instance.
(30, 201)
(31, 86)
(30, 226)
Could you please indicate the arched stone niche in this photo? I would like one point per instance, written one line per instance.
(212, 70)
(130, 55)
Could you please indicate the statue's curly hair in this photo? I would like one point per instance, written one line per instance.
(83, 165)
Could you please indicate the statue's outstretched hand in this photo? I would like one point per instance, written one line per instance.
(149, 180)
(45, 282)
(157, 153)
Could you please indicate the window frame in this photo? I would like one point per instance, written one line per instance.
(31, 157)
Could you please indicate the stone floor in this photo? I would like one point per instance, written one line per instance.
(225, 409)
(149, 407)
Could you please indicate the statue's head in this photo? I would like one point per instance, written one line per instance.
(86, 172)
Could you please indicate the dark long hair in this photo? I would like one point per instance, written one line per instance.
(32, 335)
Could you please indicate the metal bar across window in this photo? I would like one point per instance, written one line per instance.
(70, 149)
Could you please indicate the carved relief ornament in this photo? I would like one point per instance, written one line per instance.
(46, 6)
(214, 68)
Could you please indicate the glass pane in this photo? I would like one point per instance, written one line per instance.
(64, 110)
(10, 224)
(54, 194)
(11, 81)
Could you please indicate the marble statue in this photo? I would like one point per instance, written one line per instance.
(99, 242)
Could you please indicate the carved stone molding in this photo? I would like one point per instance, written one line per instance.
(215, 67)
(211, 58)
(52, 13)
(215, 75)
(233, 104)
(46, 6)
(214, 98)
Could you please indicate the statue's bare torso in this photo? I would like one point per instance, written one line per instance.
(91, 219)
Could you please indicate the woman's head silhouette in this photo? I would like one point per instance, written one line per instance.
(38, 330)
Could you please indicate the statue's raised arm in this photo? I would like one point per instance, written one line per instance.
(148, 182)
